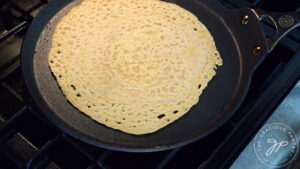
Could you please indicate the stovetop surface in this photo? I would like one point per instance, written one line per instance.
(28, 140)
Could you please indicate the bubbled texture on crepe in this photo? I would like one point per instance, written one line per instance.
(132, 65)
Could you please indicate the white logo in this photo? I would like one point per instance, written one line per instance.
(275, 145)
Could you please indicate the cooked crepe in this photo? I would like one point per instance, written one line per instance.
(132, 65)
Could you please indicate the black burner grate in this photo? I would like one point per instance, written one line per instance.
(27, 140)
(15, 18)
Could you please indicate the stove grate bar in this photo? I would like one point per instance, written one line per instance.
(9, 128)
(42, 153)
(24, 20)
(11, 159)
(16, 29)
(102, 157)
(35, 7)
(168, 158)
(94, 166)
(25, 14)
(77, 147)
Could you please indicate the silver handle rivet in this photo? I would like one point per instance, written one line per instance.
(245, 20)
(256, 50)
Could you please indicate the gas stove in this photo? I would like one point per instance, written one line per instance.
(28, 140)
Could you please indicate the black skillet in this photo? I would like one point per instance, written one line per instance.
(238, 36)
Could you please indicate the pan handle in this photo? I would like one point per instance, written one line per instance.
(284, 23)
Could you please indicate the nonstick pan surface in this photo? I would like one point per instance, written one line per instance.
(218, 102)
